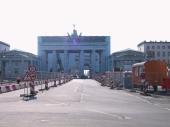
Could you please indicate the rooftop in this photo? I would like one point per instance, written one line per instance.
(68, 39)
(144, 42)
(4, 43)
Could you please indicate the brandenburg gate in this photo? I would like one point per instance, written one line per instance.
(74, 53)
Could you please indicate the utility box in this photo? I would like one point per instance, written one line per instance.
(127, 80)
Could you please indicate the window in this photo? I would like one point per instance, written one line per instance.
(163, 47)
(148, 47)
(141, 70)
(158, 54)
(168, 46)
(163, 54)
(158, 47)
(76, 59)
(136, 71)
(168, 53)
(153, 47)
(150, 54)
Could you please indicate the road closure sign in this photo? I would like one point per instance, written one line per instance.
(30, 74)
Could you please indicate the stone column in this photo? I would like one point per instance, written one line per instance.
(3, 73)
(44, 61)
(54, 61)
(24, 67)
(81, 61)
(93, 60)
(66, 60)
(102, 61)
(9, 69)
(31, 61)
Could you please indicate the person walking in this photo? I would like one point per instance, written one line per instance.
(46, 84)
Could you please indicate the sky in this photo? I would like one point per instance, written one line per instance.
(127, 22)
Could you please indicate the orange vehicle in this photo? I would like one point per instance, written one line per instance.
(149, 73)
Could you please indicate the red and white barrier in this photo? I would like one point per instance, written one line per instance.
(14, 86)
(8, 88)
(22, 85)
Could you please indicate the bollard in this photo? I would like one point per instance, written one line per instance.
(14, 87)
(59, 82)
(7, 88)
(32, 88)
(24, 85)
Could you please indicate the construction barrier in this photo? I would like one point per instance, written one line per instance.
(14, 86)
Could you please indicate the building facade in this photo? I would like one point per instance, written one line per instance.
(123, 60)
(14, 64)
(156, 50)
(4, 47)
(74, 53)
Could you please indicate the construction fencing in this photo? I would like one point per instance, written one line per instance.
(40, 79)
(110, 79)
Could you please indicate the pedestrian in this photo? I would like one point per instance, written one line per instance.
(46, 84)
(18, 80)
(55, 83)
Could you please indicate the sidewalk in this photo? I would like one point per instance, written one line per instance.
(151, 93)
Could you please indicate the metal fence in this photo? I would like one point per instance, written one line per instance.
(110, 79)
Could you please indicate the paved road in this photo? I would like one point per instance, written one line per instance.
(84, 103)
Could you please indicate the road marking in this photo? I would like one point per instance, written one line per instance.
(121, 117)
(44, 120)
(156, 104)
(167, 109)
(152, 103)
(55, 104)
(142, 99)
